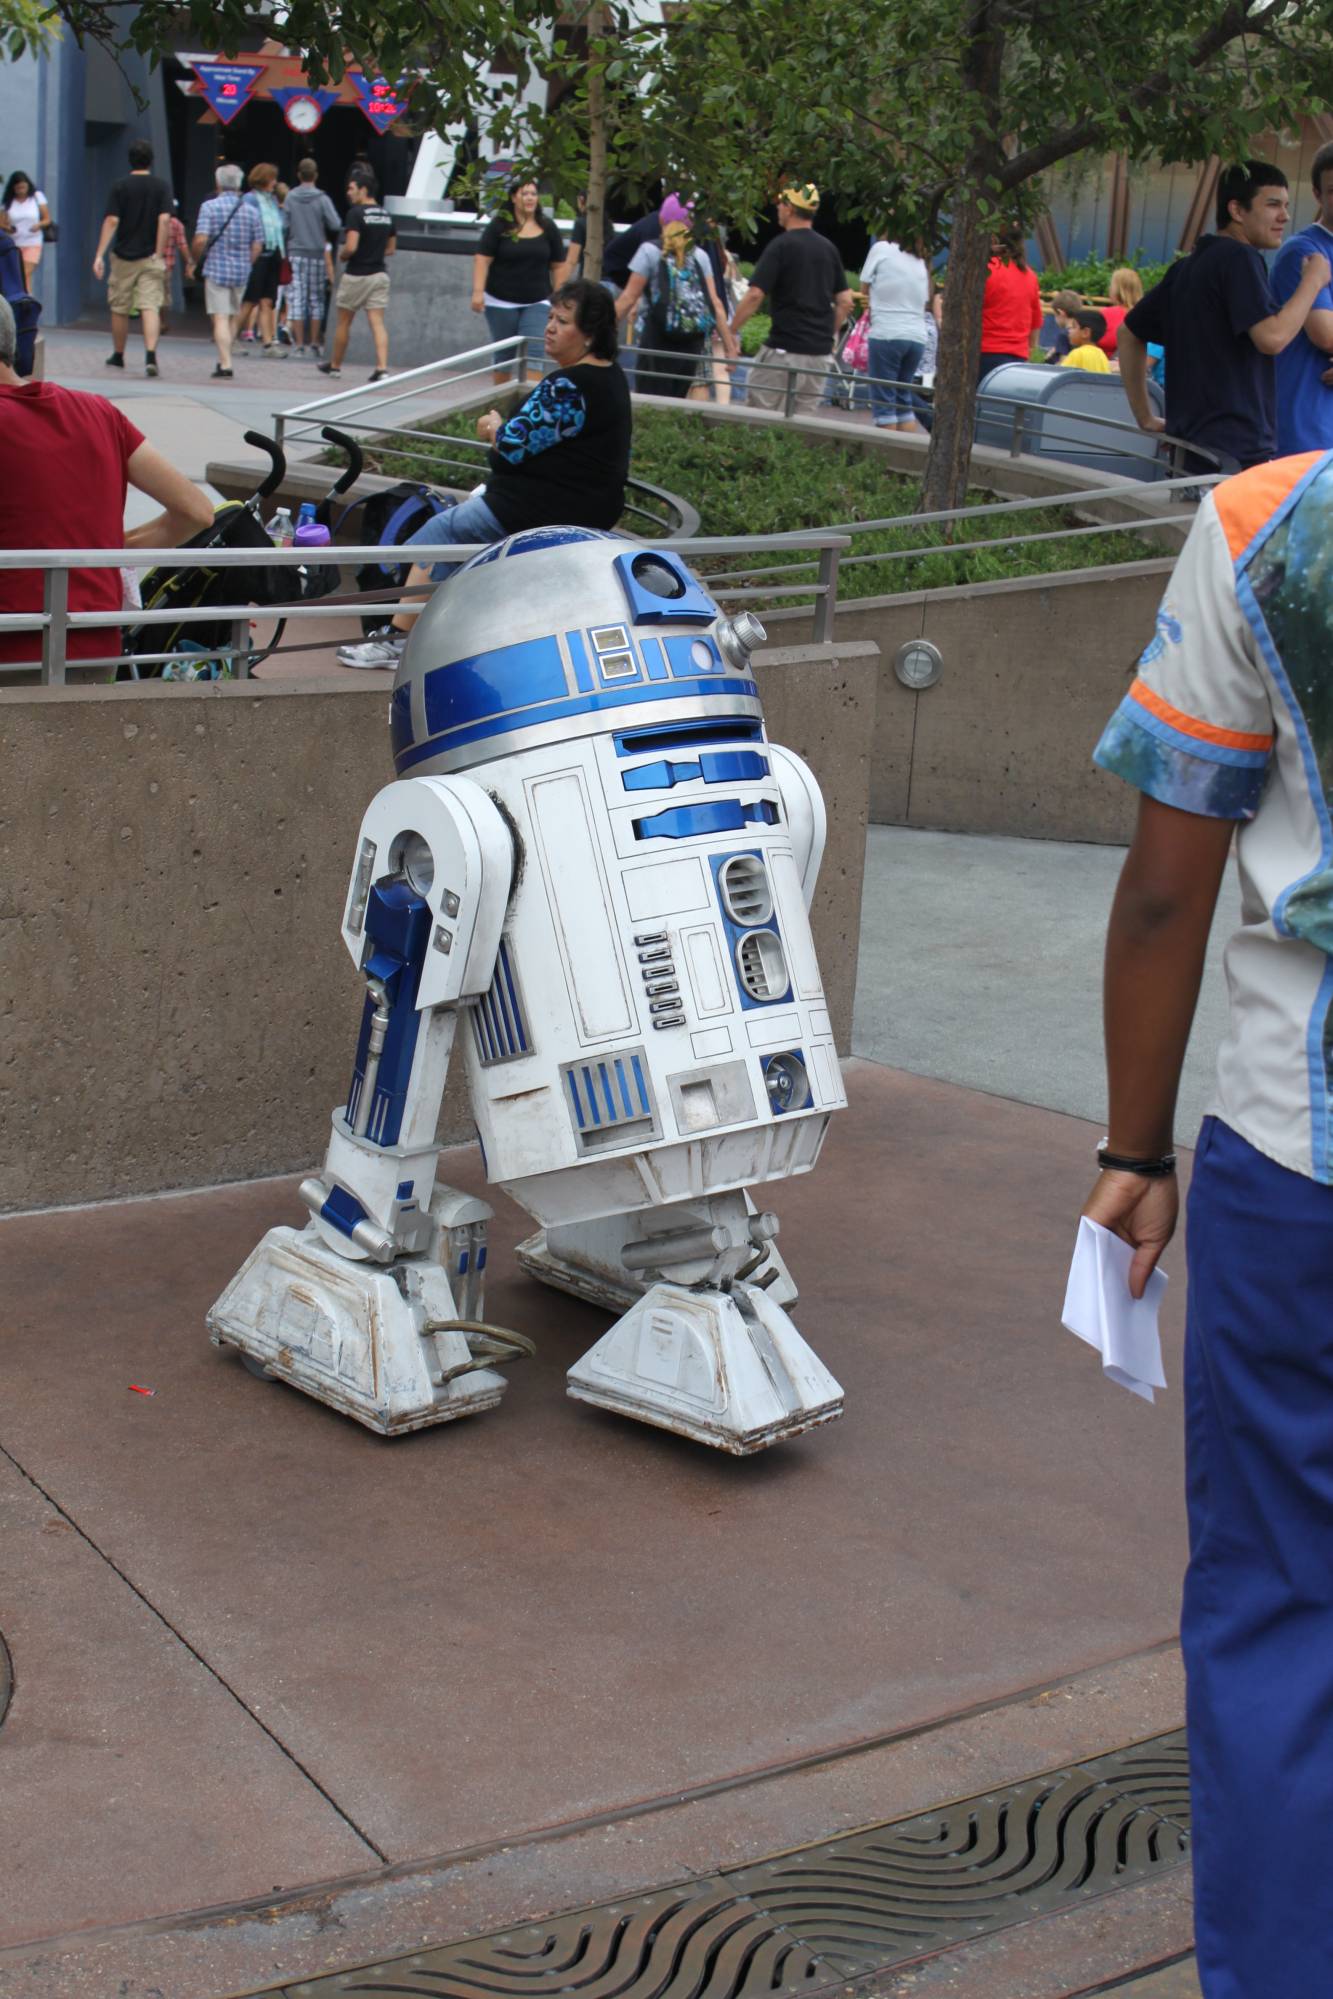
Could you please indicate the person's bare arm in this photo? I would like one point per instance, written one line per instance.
(43, 215)
(163, 233)
(842, 306)
(631, 295)
(348, 246)
(747, 308)
(391, 246)
(1155, 946)
(480, 269)
(724, 332)
(110, 223)
(198, 244)
(185, 508)
(1132, 354)
(1271, 335)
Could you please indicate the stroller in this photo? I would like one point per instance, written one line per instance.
(199, 643)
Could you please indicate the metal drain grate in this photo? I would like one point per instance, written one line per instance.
(836, 1911)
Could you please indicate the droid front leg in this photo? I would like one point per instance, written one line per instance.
(707, 1350)
(375, 1306)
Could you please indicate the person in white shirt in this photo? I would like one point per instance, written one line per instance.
(25, 205)
(898, 284)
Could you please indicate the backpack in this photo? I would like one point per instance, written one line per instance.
(680, 298)
(391, 518)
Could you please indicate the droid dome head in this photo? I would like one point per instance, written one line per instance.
(563, 632)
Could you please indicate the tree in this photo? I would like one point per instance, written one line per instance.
(25, 27)
(941, 116)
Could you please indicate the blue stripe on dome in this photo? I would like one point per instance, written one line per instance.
(491, 683)
(560, 711)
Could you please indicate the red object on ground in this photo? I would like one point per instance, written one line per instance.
(1011, 310)
(136, 1390)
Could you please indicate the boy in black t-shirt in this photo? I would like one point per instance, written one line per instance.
(370, 238)
(1216, 316)
(135, 228)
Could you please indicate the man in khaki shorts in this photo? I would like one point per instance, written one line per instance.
(135, 228)
(370, 238)
(800, 279)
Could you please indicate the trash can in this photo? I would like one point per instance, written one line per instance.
(1052, 399)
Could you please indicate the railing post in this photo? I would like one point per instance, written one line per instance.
(522, 359)
(55, 637)
(789, 395)
(1016, 439)
(826, 604)
(279, 429)
(240, 643)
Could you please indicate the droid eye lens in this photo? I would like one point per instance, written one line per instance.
(657, 577)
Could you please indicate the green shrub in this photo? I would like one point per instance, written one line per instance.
(1091, 276)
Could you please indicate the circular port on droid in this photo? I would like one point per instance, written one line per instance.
(746, 895)
(787, 1083)
(413, 859)
(651, 573)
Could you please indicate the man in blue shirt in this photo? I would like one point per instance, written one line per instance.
(1216, 317)
(1305, 369)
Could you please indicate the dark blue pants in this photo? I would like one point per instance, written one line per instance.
(1257, 1618)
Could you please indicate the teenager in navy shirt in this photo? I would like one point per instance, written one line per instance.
(1215, 314)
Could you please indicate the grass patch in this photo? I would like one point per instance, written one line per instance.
(746, 479)
(750, 480)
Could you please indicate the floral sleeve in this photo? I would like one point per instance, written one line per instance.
(553, 412)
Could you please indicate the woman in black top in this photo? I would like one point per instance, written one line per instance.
(514, 273)
(562, 458)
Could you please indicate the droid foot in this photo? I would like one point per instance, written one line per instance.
(371, 1340)
(727, 1368)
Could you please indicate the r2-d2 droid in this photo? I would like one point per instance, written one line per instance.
(590, 881)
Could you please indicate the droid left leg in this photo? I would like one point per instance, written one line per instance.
(375, 1306)
(707, 1351)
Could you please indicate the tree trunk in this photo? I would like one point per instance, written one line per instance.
(596, 209)
(950, 454)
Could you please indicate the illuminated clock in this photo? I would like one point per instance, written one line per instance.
(303, 113)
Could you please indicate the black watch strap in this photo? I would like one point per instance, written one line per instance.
(1160, 1168)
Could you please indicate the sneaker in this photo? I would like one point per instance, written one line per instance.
(150, 364)
(115, 360)
(327, 368)
(383, 648)
(275, 351)
(223, 375)
(380, 375)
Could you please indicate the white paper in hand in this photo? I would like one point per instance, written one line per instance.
(1099, 1309)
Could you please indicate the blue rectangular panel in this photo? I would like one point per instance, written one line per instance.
(578, 652)
(494, 683)
(652, 658)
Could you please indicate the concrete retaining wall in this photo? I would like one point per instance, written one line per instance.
(1003, 742)
(178, 1005)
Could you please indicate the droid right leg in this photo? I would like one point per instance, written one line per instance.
(706, 1350)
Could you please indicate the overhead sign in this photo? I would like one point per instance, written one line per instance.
(227, 85)
(382, 102)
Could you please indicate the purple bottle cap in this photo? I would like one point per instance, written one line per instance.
(311, 534)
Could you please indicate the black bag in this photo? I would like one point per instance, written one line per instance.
(51, 232)
(167, 589)
(391, 518)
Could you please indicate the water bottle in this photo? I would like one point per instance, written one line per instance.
(279, 530)
(307, 513)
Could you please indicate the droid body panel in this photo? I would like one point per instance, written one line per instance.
(596, 866)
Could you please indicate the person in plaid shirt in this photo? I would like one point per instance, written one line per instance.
(228, 237)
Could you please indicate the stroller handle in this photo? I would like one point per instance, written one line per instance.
(277, 471)
(355, 459)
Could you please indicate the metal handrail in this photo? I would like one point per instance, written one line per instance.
(55, 620)
(514, 346)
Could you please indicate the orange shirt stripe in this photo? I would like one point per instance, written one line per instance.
(1246, 502)
(1189, 725)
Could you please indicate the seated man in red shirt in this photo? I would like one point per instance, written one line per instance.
(65, 461)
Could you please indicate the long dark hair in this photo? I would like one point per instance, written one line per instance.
(13, 182)
(594, 315)
(1013, 245)
(506, 217)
